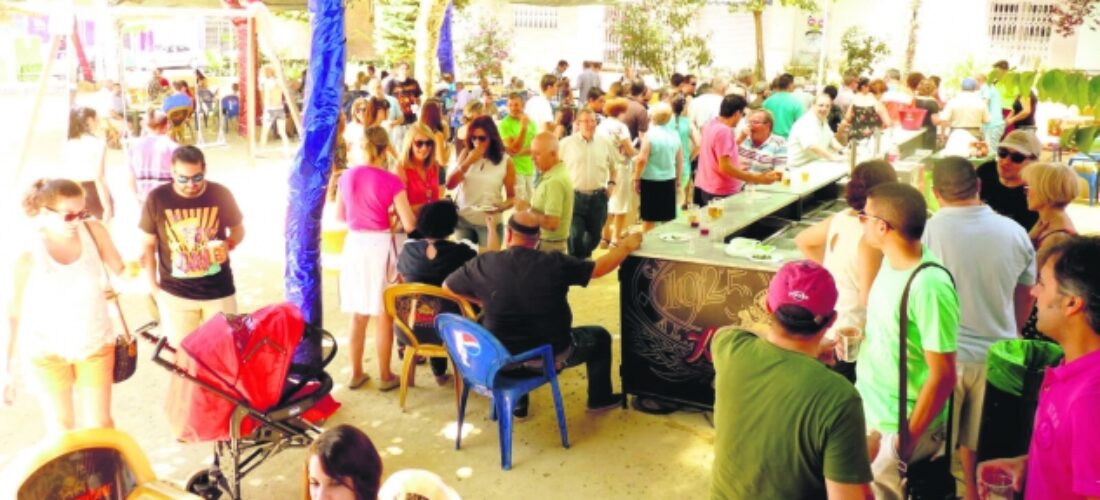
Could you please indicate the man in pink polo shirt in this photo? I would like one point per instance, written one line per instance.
(720, 173)
(1063, 461)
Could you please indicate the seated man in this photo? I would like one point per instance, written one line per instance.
(811, 138)
(760, 149)
(777, 408)
(524, 292)
(178, 99)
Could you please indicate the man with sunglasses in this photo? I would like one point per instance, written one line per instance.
(1002, 185)
(893, 222)
(190, 227)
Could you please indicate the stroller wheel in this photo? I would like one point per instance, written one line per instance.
(204, 483)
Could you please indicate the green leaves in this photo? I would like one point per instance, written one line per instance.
(1052, 86)
(1094, 89)
(658, 35)
(1008, 86)
(1084, 138)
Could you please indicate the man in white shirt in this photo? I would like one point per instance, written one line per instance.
(590, 159)
(538, 107)
(994, 286)
(705, 106)
(811, 138)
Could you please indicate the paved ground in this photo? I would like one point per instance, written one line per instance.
(619, 454)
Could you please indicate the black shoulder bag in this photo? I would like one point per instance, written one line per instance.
(928, 479)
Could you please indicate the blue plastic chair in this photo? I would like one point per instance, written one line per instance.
(1089, 176)
(479, 357)
(231, 108)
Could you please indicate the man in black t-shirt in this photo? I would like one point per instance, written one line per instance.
(1002, 187)
(524, 294)
(190, 227)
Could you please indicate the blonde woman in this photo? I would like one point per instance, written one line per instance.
(419, 166)
(67, 356)
(658, 169)
(1049, 188)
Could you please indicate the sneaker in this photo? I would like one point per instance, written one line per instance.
(615, 401)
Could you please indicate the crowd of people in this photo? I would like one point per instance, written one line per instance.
(574, 177)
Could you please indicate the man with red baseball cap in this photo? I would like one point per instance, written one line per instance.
(786, 426)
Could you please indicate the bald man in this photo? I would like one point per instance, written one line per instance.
(532, 311)
(553, 199)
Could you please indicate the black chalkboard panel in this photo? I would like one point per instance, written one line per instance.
(670, 310)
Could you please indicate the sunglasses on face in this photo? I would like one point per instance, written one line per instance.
(194, 179)
(863, 216)
(423, 144)
(1016, 157)
(71, 216)
(479, 138)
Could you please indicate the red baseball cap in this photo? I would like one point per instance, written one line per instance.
(806, 284)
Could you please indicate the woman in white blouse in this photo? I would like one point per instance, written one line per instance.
(479, 175)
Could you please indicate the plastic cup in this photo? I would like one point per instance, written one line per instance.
(693, 215)
(785, 178)
(848, 340)
(216, 248)
(805, 175)
(997, 484)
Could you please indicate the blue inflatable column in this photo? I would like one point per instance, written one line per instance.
(313, 163)
(446, 52)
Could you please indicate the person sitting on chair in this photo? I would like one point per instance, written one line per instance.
(178, 99)
(529, 312)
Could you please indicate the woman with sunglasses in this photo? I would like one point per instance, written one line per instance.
(480, 173)
(364, 200)
(419, 166)
(84, 161)
(1049, 188)
(59, 324)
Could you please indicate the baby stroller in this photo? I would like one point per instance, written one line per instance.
(254, 384)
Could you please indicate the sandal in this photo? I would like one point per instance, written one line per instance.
(653, 406)
(389, 385)
(357, 382)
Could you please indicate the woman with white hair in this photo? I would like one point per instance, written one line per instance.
(658, 169)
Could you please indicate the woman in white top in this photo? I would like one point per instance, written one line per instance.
(621, 199)
(837, 244)
(479, 175)
(83, 161)
(59, 325)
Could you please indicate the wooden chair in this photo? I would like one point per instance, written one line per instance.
(179, 125)
(413, 307)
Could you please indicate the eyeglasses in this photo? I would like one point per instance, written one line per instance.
(423, 144)
(194, 179)
(479, 138)
(1015, 156)
(863, 216)
(71, 216)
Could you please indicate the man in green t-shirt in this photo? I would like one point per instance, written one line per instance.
(784, 106)
(553, 198)
(893, 222)
(517, 133)
(786, 426)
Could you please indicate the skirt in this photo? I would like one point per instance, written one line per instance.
(622, 197)
(367, 266)
(658, 200)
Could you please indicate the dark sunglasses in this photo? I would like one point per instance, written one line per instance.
(423, 144)
(71, 216)
(863, 216)
(1015, 156)
(479, 138)
(194, 179)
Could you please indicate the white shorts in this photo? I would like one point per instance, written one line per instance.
(367, 266)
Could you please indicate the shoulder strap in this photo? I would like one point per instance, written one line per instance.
(110, 291)
(903, 369)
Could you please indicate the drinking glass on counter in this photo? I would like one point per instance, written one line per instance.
(805, 175)
(693, 215)
(785, 177)
(715, 210)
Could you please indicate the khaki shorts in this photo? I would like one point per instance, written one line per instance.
(969, 394)
(179, 316)
(55, 374)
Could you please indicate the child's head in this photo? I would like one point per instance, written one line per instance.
(343, 464)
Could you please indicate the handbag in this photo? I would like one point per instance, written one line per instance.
(125, 344)
(928, 479)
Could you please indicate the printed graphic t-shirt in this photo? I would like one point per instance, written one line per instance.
(183, 227)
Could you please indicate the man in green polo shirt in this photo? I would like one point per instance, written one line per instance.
(517, 132)
(784, 106)
(553, 198)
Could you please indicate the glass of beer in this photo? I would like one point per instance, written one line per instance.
(693, 215)
(715, 210)
(805, 175)
(785, 178)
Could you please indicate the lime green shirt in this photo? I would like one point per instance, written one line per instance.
(554, 196)
(509, 129)
(933, 326)
(783, 422)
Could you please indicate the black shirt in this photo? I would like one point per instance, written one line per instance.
(1009, 202)
(183, 226)
(524, 293)
(416, 267)
(931, 107)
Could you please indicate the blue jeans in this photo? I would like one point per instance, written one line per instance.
(590, 345)
(589, 214)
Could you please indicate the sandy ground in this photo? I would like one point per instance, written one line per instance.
(619, 454)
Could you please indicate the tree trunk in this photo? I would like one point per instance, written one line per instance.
(758, 23)
(429, 21)
(911, 47)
